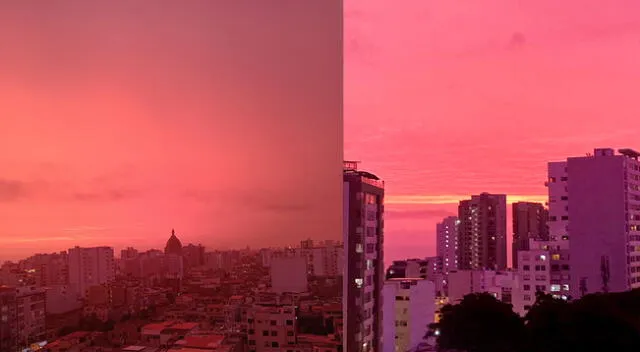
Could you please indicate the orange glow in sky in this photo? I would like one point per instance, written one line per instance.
(444, 99)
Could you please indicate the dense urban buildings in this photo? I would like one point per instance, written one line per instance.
(482, 241)
(529, 223)
(90, 266)
(447, 242)
(364, 269)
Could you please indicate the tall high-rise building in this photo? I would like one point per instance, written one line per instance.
(90, 266)
(529, 223)
(482, 232)
(447, 242)
(601, 219)
(364, 258)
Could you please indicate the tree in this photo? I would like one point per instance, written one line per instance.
(480, 323)
(549, 324)
(607, 322)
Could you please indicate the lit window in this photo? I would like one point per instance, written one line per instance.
(555, 257)
(555, 288)
(565, 287)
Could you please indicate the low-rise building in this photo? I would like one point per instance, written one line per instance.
(409, 307)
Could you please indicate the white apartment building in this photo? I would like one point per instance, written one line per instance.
(558, 188)
(409, 307)
(271, 328)
(90, 267)
(501, 284)
(31, 309)
(447, 242)
(602, 204)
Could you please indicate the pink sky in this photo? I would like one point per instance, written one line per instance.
(120, 122)
(444, 99)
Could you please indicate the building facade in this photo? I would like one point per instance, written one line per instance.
(482, 240)
(603, 218)
(447, 242)
(529, 223)
(90, 266)
(364, 270)
(409, 308)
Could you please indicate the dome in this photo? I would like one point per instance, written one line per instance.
(174, 246)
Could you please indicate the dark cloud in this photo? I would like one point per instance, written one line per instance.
(259, 201)
(12, 190)
(517, 41)
(111, 195)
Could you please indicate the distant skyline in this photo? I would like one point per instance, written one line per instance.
(122, 121)
(444, 99)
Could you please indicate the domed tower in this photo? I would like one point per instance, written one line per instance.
(174, 246)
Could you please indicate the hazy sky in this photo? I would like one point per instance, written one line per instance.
(448, 98)
(121, 120)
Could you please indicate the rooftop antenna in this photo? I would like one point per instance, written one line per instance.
(583, 286)
(604, 272)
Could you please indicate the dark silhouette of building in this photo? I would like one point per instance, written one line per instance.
(482, 238)
(174, 246)
(363, 241)
(529, 223)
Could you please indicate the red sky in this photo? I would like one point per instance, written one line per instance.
(448, 98)
(120, 121)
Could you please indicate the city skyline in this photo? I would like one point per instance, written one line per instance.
(115, 132)
(539, 80)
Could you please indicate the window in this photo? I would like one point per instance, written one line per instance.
(289, 322)
(274, 333)
(289, 333)
(371, 231)
(275, 344)
(527, 297)
(526, 267)
(252, 332)
(252, 342)
(274, 322)
(555, 256)
(540, 288)
(265, 333)
(527, 287)
(555, 288)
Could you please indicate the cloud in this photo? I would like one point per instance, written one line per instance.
(266, 200)
(12, 190)
(517, 41)
(417, 213)
(453, 199)
(110, 195)
(9, 240)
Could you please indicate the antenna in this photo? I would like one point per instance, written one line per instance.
(583, 286)
(604, 273)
